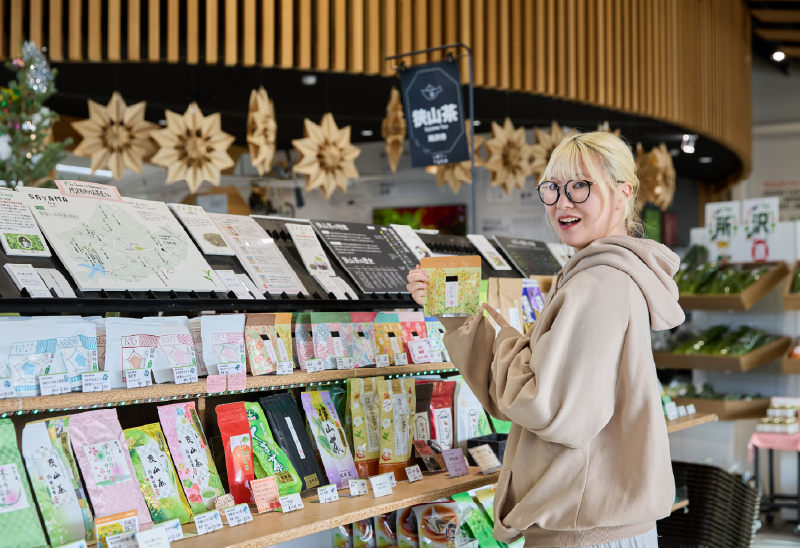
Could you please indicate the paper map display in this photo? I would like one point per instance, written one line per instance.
(134, 244)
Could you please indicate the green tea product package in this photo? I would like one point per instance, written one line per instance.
(453, 285)
(343, 536)
(56, 482)
(386, 530)
(407, 530)
(388, 336)
(25, 354)
(364, 409)
(439, 524)
(19, 521)
(471, 420)
(303, 339)
(474, 517)
(500, 426)
(287, 427)
(363, 534)
(329, 436)
(234, 428)
(398, 403)
(270, 459)
(422, 423)
(156, 474)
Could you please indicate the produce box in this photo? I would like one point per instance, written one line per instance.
(751, 360)
(791, 301)
(728, 410)
(790, 365)
(740, 301)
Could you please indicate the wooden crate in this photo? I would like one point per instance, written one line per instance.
(789, 365)
(744, 300)
(791, 301)
(728, 410)
(751, 360)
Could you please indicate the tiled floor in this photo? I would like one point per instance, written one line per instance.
(778, 535)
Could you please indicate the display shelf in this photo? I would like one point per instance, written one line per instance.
(690, 420)
(679, 505)
(728, 410)
(273, 528)
(170, 391)
(790, 365)
(742, 301)
(751, 360)
(791, 301)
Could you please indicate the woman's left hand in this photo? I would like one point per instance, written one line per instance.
(499, 319)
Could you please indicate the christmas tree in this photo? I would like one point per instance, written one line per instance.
(27, 151)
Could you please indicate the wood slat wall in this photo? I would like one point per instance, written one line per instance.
(686, 62)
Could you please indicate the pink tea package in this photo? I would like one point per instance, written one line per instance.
(413, 324)
(302, 338)
(102, 453)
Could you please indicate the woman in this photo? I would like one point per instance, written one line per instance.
(587, 459)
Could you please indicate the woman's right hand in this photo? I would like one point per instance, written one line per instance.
(418, 285)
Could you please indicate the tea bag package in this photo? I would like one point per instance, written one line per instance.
(435, 331)
(329, 436)
(55, 480)
(414, 329)
(471, 420)
(439, 524)
(234, 429)
(175, 349)
(386, 530)
(269, 459)
(407, 530)
(130, 344)
(100, 331)
(223, 341)
(25, 354)
(363, 534)
(303, 338)
(441, 413)
(280, 334)
(19, 521)
(453, 285)
(102, 453)
(76, 350)
(287, 427)
(261, 356)
(422, 423)
(364, 410)
(330, 336)
(197, 338)
(342, 536)
(363, 335)
(191, 455)
(388, 336)
(398, 402)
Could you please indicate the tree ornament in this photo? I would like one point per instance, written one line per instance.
(606, 128)
(546, 143)
(656, 177)
(455, 174)
(193, 148)
(393, 130)
(115, 136)
(509, 156)
(262, 130)
(327, 156)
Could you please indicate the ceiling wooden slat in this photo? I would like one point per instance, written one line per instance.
(779, 35)
(777, 16)
(791, 51)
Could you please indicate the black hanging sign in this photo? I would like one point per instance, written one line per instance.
(434, 109)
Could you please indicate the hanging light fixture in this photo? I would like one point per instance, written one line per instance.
(687, 143)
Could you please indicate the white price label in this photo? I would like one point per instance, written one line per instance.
(392, 481)
(358, 488)
(436, 356)
(77, 544)
(345, 363)
(138, 378)
(153, 538)
(672, 411)
(40, 294)
(233, 368)
(285, 368)
(682, 411)
(238, 515)
(96, 381)
(329, 493)
(208, 522)
(185, 374)
(690, 410)
(381, 485)
(400, 358)
(173, 528)
(312, 366)
(382, 360)
(53, 385)
(486, 458)
(451, 291)
(413, 473)
(122, 540)
(6, 388)
(290, 503)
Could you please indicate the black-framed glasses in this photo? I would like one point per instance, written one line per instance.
(577, 191)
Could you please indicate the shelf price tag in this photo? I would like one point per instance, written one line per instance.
(6, 388)
(312, 366)
(173, 529)
(155, 537)
(690, 410)
(455, 462)
(285, 368)
(185, 374)
(208, 522)
(265, 491)
(413, 473)
(53, 385)
(138, 378)
(358, 488)
(122, 540)
(329, 493)
(672, 411)
(77, 544)
(486, 459)
(345, 362)
(400, 358)
(381, 485)
(682, 411)
(216, 383)
(96, 381)
(292, 502)
(436, 356)
(382, 360)
(230, 368)
(237, 382)
(238, 515)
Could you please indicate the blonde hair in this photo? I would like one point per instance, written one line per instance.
(607, 158)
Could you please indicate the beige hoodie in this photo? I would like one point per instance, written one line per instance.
(587, 459)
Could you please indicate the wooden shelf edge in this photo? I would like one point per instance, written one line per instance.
(690, 420)
(273, 528)
(751, 360)
(169, 391)
(678, 505)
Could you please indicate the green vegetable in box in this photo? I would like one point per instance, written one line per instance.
(704, 274)
(697, 343)
(747, 342)
(726, 281)
(722, 346)
(796, 281)
(752, 276)
(696, 255)
(269, 459)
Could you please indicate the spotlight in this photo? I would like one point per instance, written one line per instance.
(778, 56)
(309, 79)
(476, 123)
(705, 160)
(366, 133)
(687, 143)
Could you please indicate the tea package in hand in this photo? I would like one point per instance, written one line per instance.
(439, 524)
(234, 429)
(330, 438)
(364, 412)
(269, 458)
(25, 354)
(453, 285)
(192, 457)
(304, 342)
(102, 454)
(156, 474)
(363, 334)
(388, 335)
(223, 341)
(398, 402)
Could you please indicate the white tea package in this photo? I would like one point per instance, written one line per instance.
(76, 350)
(131, 344)
(223, 342)
(175, 349)
(25, 354)
(197, 337)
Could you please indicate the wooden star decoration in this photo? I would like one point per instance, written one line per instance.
(393, 130)
(606, 127)
(509, 156)
(656, 177)
(193, 148)
(455, 174)
(327, 156)
(262, 130)
(545, 145)
(115, 136)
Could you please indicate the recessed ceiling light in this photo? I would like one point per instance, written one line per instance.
(476, 123)
(366, 133)
(309, 79)
(778, 56)
(705, 160)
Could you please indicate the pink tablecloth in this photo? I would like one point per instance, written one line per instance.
(781, 442)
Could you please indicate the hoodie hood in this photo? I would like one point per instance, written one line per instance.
(650, 265)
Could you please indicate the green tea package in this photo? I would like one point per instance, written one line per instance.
(343, 536)
(329, 436)
(453, 285)
(475, 518)
(364, 412)
(407, 530)
(56, 482)
(470, 419)
(398, 404)
(19, 520)
(363, 534)
(270, 459)
(156, 474)
(386, 530)
(439, 524)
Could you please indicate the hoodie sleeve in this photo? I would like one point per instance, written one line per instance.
(563, 388)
